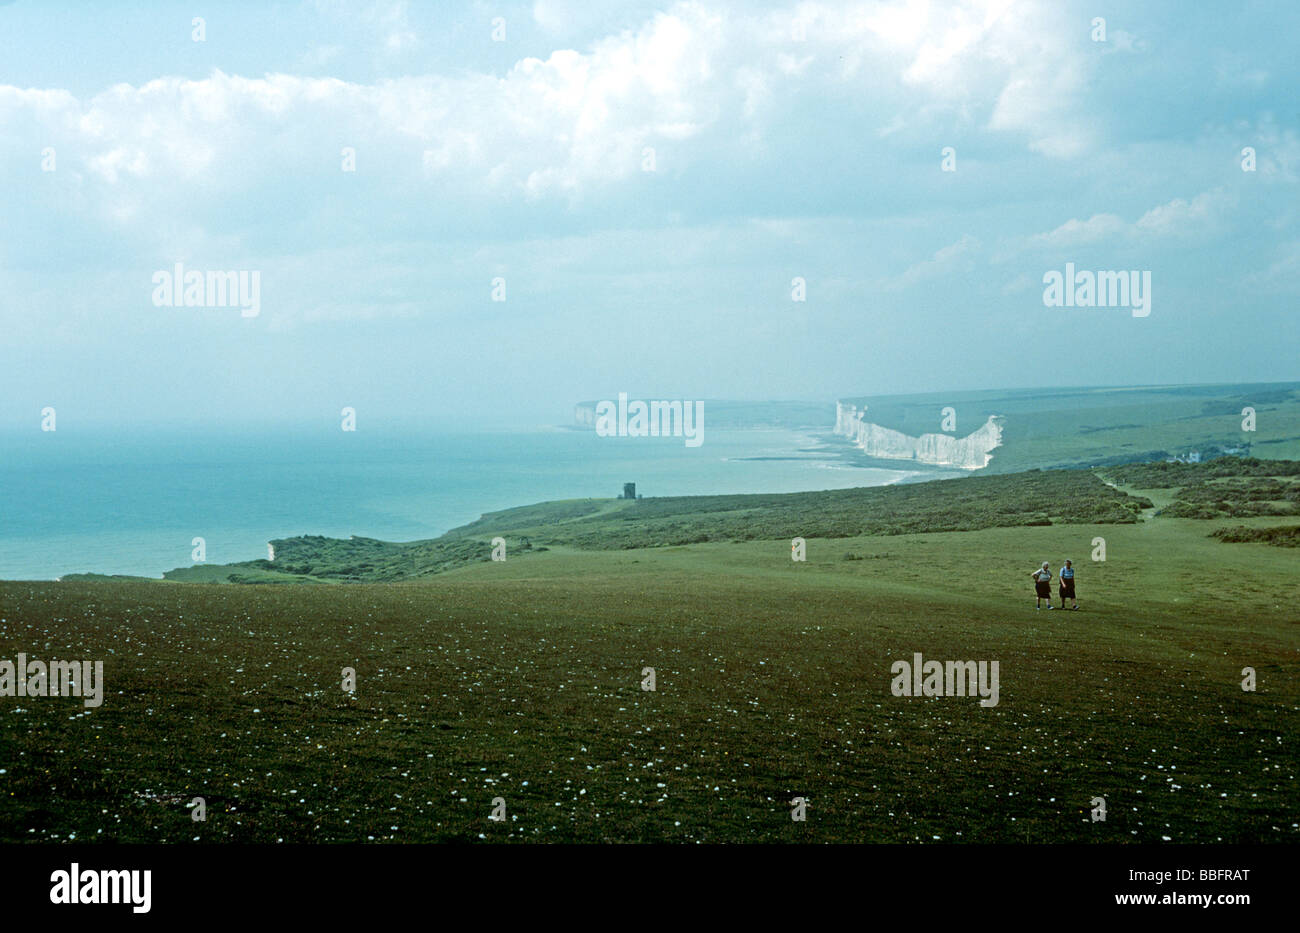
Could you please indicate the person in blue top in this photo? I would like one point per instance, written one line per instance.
(1067, 585)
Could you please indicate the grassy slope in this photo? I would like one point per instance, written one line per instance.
(521, 680)
(1230, 487)
(602, 524)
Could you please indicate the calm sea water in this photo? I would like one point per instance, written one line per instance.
(132, 504)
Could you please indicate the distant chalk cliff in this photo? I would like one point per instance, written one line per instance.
(972, 452)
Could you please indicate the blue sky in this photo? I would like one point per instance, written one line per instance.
(799, 140)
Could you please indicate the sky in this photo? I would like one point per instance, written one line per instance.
(649, 187)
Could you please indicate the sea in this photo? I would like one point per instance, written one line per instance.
(134, 502)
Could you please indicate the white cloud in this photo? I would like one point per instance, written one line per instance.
(170, 161)
(1076, 232)
(1182, 218)
(1177, 219)
(952, 258)
(571, 122)
(1120, 41)
(1021, 283)
(384, 23)
(1281, 275)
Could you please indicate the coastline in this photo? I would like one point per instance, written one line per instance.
(141, 521)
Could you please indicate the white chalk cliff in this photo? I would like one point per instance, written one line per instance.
(972, 452)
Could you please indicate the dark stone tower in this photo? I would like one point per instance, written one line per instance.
(629, 490)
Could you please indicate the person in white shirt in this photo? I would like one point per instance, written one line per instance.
(1043, 585)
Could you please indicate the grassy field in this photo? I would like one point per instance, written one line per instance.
(969, 503)
(522, 680)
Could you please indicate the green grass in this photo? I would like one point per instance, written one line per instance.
(522, 680)
(965, 504)
(1280, 535)
(1162, 475)
(1228, 487)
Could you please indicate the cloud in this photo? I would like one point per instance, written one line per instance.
(1021, 283)
(809, 109)
(319, 56)
(1076, 232)
(1283, 274)
(1120, 41)
(1277, 151)
(557, 125)
(1185, 218)
(695, 78)
(1177, 219)
(385, 24)
(952, 258)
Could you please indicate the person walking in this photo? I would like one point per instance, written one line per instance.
(1043, 586)
(1066, 576)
